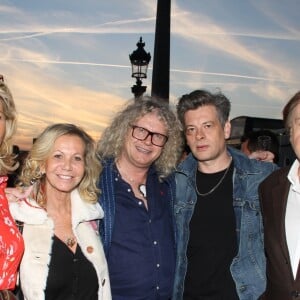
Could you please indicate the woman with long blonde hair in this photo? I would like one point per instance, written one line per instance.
(64, 257)
(11, 242)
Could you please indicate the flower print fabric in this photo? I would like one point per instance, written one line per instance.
(11, 242)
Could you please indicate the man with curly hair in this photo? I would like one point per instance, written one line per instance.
(139, 152)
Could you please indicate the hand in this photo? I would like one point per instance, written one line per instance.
(15, 194)
(266, 156)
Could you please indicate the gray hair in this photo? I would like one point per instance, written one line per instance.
(112, 141)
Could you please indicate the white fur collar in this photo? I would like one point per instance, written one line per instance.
(29, 212)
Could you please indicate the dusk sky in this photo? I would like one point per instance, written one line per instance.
(67, 61)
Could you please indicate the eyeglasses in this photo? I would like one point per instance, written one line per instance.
(141, 134)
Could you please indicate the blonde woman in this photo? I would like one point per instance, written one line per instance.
(63, 256)
(11, 242)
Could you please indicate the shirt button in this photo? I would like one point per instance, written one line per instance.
(155, 242)
(158, 265)
(116, 179)
(129, 190)
(89, 249)
(150, 221)
(140, 203)
(157, 287)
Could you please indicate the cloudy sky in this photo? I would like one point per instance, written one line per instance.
(67, 61)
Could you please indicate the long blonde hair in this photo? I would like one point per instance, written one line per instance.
(41, 149)
(7, 157)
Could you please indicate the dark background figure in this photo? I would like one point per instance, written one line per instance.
(242, 125)
(250, 143)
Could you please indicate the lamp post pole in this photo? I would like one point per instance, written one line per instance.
(139, 63)
(161, 60)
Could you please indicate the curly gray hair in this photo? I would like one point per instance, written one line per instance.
(112, 141)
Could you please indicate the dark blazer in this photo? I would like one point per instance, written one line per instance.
(273, 192)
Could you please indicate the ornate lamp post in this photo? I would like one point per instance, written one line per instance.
(139, 64)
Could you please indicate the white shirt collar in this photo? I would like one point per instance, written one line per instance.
(293, 176)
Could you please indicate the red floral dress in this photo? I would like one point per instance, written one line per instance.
(11, 242)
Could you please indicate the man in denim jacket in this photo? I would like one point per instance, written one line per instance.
(220, 252)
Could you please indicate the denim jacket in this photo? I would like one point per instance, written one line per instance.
(248, 267)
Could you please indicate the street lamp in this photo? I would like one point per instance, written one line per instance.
(139, 63)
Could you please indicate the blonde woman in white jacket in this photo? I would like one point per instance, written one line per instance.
(63, 257)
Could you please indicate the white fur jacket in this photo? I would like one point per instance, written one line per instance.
(38, 233)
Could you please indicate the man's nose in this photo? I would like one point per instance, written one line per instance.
(148, 139)
(199, 133)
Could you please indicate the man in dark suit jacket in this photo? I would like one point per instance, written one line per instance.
(280, 204)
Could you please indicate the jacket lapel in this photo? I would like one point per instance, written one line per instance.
(280, 195)
(83, 211)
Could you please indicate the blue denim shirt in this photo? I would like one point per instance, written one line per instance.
(248, 267)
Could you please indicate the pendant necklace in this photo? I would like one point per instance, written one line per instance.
(70, 241)
(216, 186)
(142, 190)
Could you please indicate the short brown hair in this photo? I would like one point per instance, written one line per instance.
(288, 109)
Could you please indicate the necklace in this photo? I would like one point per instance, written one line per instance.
(62, 226)
(216, 186)
(123, 175)
(141, 187)
(70, 241)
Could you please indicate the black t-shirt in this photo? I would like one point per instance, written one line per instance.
(212, 244)
(71, 276)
